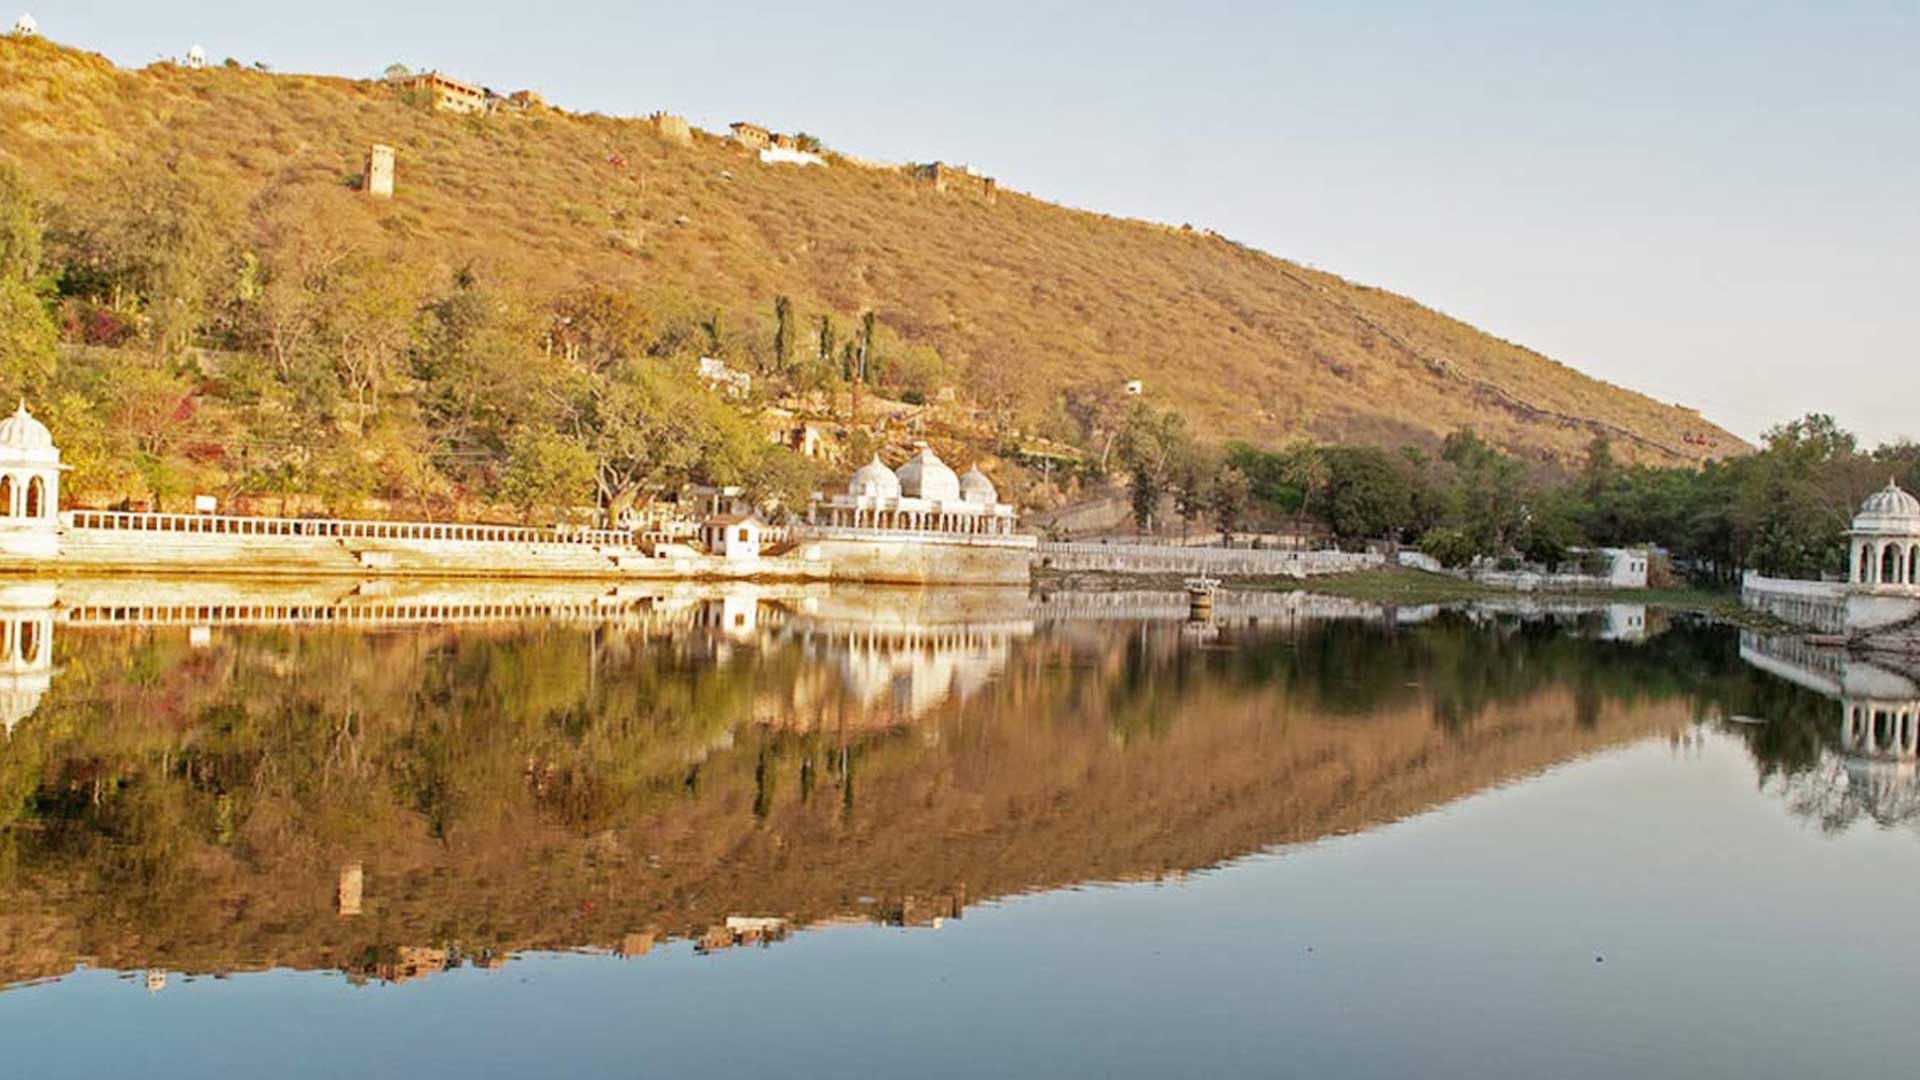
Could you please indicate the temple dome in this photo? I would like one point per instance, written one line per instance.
(1891, 511)
(21, 436)
(874, 480)
(925, 476)
(976, 488)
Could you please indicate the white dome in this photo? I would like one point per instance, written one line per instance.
(925, 476)
(25, 25)
(976, 488)
(1889, 510)
(874, 480)
(23, 437)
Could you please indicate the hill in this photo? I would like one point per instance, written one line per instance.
(1028, 305)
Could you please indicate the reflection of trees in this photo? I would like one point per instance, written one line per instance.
(512, 787)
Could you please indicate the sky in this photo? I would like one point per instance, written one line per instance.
(1713, 204)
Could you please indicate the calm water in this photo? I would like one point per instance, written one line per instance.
(811, 833)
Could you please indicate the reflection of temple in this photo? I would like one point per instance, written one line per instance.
(899, 673)
(26, 650)
(1874, 772)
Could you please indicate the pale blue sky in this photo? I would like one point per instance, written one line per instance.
(1712, 204)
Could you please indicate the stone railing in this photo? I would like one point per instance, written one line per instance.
(1815, 605)
(339, 528)
(1163, 559)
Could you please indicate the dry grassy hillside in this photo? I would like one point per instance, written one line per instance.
(1023, 297)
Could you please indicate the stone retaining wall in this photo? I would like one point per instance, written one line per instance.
(1815, 605)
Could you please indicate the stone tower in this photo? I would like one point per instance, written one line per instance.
(377, 179)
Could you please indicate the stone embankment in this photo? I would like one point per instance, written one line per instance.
(1820, 606)
(83, 542)
(1216, 562)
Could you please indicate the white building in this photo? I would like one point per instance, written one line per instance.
(26, 25)
(1885, 543)
(923, 495)
(1882, 590)
(29, 487)
(733, 536)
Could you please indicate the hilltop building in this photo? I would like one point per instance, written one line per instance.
(448, 93)
(26, 25)
(196, 57)
(962, 178)
(752, 136)
(672, 128)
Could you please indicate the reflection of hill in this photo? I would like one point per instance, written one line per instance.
(509, 787)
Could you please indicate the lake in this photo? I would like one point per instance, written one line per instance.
(826, 832)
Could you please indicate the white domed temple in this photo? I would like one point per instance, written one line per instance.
(1886, 541)
(922, 496)
(1882, 590)
(29, 487)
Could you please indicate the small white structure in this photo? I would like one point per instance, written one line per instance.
(1136, 387)
(1626, 567)
(780, 155)
(26, 25)
(29, 487)
(923, 495)
(1885, 542)
(733, 536)
(719, 376)
(196, 57)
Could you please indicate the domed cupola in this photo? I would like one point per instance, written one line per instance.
(874, 481)
(24, 439)
(925, 476)
(976, 488)
(1888, 512)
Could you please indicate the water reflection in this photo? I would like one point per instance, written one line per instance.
(1855, 759)
(393, 780)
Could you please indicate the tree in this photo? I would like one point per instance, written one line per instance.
(782, 333)
(867, 356)
(1228, 498)
(1149, 446)
(1451, 547)
(1190, 491)
(27, 335)
(547, 476)
(825, 340)
(1367, 495)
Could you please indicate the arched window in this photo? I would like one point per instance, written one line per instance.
(1890, 565)
(6, 496)
(1913, 565)
(36, 497)
(1866, 563)
(30, 642)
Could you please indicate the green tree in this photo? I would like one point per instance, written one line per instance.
(547, 476)
(27, 335)
(1150, 445)
(1367, 494)
(782, 333)
(1228, 497)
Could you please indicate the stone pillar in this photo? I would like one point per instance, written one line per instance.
(377, 178)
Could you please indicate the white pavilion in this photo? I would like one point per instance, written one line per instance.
(922, 496)
(1885, 542)
(29, 487)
